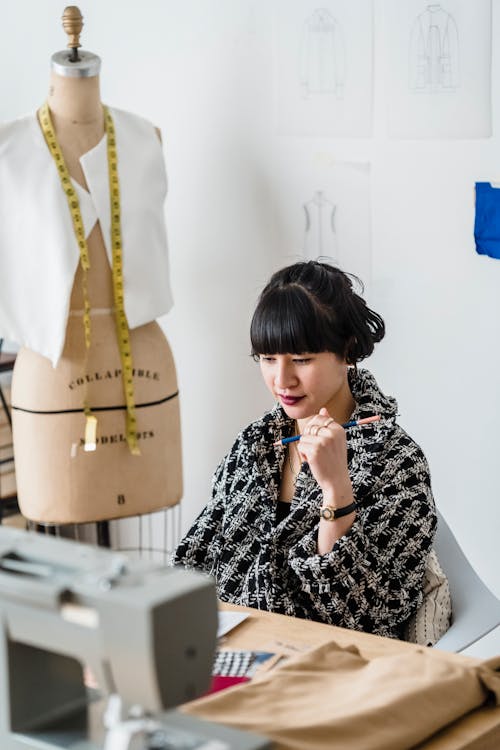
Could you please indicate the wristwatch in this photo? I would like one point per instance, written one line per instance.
(329, 513)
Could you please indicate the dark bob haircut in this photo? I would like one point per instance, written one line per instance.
(312, 307)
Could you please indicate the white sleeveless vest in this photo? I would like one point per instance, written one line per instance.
(38, 250)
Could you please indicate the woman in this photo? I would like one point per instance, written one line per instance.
(337, 526)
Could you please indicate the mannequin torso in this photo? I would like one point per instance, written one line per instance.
(58, 482)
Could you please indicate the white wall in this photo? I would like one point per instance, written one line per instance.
(201, 70)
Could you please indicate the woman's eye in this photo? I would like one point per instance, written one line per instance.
(263, 358)
(302, 360)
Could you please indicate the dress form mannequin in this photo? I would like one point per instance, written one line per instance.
(58, 481)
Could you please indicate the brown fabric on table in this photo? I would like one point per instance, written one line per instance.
(332, 698)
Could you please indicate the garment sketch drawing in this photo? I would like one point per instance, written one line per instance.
(322, 56)
(320, 236)
(434, 52)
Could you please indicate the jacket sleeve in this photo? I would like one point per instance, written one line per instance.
(372, 579)
(198, 547)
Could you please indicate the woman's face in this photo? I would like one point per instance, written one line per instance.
(304, 383)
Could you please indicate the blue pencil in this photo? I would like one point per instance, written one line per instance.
(352, 423)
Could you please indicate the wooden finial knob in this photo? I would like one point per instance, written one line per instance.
(72, 21)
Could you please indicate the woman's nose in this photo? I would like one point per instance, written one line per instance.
(285, 376)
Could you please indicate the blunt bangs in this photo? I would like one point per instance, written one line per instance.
(287, 321)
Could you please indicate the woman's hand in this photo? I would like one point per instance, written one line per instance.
(323, 445)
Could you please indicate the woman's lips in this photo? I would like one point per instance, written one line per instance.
(290, 400)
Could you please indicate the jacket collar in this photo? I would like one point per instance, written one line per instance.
(363, 443)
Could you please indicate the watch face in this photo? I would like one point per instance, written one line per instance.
(328, 514)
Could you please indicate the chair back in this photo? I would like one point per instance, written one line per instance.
(475, 609)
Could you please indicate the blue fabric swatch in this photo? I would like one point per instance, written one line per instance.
(487, 220)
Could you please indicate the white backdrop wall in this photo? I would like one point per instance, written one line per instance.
(202, 71)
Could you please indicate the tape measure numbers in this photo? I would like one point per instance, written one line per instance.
(122, 328)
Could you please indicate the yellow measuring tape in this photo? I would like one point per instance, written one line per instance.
(122, 328)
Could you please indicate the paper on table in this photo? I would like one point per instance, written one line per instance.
(228, 621)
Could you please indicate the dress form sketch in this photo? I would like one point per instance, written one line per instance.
(58, 481)
(320, 236)
(322, 58)
(434, 52)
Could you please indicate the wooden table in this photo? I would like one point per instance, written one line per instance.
(478, 730)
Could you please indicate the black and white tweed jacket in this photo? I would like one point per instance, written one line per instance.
(372, 579)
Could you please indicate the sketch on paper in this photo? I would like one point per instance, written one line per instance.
(322, 208)
(323, 67)
(438, 68)
(434, 52)
(322, 56)
(320, 236)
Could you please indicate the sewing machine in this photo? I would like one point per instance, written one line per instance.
(146, 633)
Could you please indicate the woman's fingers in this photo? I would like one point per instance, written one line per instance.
(318, 422)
